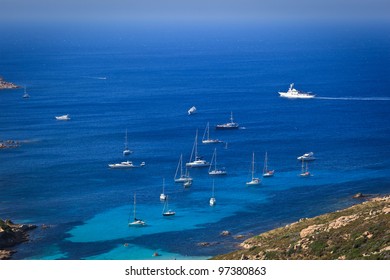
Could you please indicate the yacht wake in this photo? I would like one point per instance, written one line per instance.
(355, 98)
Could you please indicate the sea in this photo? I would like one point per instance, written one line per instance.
(143, 77)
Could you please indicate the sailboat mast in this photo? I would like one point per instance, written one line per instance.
(126, 140)
(134, 205)
(253, 165)
(196, 144)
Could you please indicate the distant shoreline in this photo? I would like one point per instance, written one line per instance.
(7, 85)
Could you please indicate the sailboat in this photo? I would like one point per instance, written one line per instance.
(187, 184)
(136, 222)
(126, 151)
(266, 172)
(213, 201)
(25, 95)
(305, 172)
(215, 171)
(163, 196)
(184, 177)
(206, 136)
(254, 181)
(198, 161)
(166, 211)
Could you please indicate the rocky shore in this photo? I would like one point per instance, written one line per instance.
(10, 235)
(358, 232)
(7, 85)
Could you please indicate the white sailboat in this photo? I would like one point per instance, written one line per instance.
(163, 196)
(213, 201)
(216, 171)
(184, 177)
(206, 136)
(304, 170)
(63, 118)
(166, 211)
(126, 151)
(266, 172)
(254, 181)
(25, 95)
(136, 222)
(195, 159)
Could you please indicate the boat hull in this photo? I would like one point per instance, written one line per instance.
(169, 213)
(226, 127)
(137, 223)
(218, 172)
(254, 181)
(296, 96)
(196, 164)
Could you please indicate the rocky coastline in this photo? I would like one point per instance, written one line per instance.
(360, 232)
(10, 235)
(7, 85)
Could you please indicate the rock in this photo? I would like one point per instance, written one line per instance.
(225, 233)
(239, 236)
(310, 230)
(342, 221)
(386, 210)
(11, 235)
(358, 195)
(204, 244)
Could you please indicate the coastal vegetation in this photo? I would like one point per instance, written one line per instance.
(358, 232)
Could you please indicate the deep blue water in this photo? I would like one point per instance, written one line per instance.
(59, 176)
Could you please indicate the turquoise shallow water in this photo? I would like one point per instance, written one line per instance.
(59, 176)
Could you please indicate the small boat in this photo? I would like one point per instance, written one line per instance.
(293, 93)
(206, 136)
(254, 181)
(63, 118)
(192, 110)
(216, 171)
(187, 184)
(126, 151)
(166, 211)
(123, 164)
(163, 196)
(25, 95)
(230, 125)
(184, 177)
(307, 157)
(266, 172)
(305, 172)
(136, 222)
(195, 159)
(213, 201)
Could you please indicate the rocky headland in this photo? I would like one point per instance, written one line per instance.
(10, 235)
(7, 85)
(358, 232)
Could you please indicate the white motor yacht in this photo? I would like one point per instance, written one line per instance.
(293, 93)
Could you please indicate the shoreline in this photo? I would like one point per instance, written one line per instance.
(11, 235)
(355, 233)
(7, 85)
